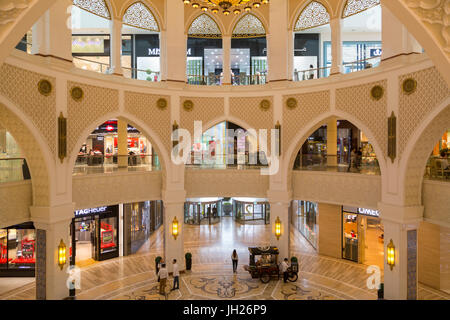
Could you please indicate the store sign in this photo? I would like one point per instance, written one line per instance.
(85, 212)
(369, 212)
(376, 52)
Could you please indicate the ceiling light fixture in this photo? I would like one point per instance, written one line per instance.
(227, 6)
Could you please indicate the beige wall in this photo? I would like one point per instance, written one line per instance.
(330, 230)
(434, 257)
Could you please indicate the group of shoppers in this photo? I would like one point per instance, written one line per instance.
(355, 159)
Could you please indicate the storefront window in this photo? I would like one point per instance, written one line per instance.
(18, 250)
(202, 211)
(204, 61)
(362, 236)
(304, 217)
(251, 210)
(248, 61)
(108, 235)
(438, 164)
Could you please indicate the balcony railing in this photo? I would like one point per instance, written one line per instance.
(317, 162)
(224, 161)
(237, 80)
(87, 164)
(90, 65)
(245, 80)
(311, 74)
(147, 75)
(438, 169)
(349, 67)
(201, 80)
(13, 169)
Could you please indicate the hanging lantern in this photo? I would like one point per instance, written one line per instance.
(62, 254)
(278, 228)
(391, 254)
(175, 228)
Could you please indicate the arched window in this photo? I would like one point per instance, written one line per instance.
(356, 6)
(314, 15)
(91, 35)
(361, 35)
(97, 7)
(204, 27)
(249, 51)
(249, 26)
(139, 15)
(312, 35)
(140, 43)
(204, 52)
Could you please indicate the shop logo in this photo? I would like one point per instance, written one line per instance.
(84, 212)
(74, 279)
(374, 280)
(188, 151)
(369, 212)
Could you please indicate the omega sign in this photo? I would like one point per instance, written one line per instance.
(369, 212)
(85, 212)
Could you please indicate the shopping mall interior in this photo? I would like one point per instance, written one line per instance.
(133, 133)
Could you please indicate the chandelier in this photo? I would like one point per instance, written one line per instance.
(227, 6)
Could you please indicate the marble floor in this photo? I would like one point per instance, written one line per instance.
(211, 277)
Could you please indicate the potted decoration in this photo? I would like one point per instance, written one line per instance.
(149, 72)
(188, 257)
(294, 264)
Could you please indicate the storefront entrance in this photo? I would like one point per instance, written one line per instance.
(94, 234)
(362, 236)
(202, 212)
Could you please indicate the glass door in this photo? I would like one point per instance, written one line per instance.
(350, 239)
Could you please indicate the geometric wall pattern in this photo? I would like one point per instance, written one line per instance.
(431, 91)
(144, 106)
(358, 102)
(205, 109)
(21, 87)
(96, 102)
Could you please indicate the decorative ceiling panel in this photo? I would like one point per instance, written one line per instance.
(97, 7)
(249, 26)
(139, 15)
(314, 15)
(204, 27)
(356, 6)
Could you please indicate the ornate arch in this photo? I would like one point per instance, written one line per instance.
(135, 122)
(315, 14)
(97, 7)
(420, 147)
(248, 26)
(139, 15)
(39, 168)
(302, 135)
(353, 7)
(204, 26)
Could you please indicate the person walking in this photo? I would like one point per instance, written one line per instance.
(234, 259)
(162, 274)
(284, 269)
(176, 275)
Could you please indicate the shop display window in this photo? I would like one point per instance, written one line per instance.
(21, 248)
(108, 235)
(305, 215)
(3, 248)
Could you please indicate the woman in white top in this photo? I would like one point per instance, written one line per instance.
(234, 259)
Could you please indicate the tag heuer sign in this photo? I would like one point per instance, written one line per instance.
(85, 212)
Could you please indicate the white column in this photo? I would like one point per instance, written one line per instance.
(226, 49)
(397, 41)
(173, 247)
(400, 225)
(173, 54)
(52, 33)
(336, 45)
(162, 64)
(52, 225)
(116, 47)
(278, 40)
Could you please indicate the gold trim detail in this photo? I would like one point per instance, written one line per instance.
(188, 105)
(264, 105)
(77, 94)
(161, 103)
(45, 87)
(62, 137)
(377, 93)
(291, 103)
(409, 86)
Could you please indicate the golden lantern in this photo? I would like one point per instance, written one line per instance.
(226, 12)
(195, 5)
(236, 11)
(256, 4)
(214, 10)
(265, 1)
(204, 9)
(278, 228)
(247, 9)
(186, 1)
(391, 254)
(175, 228)
(62, 254)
